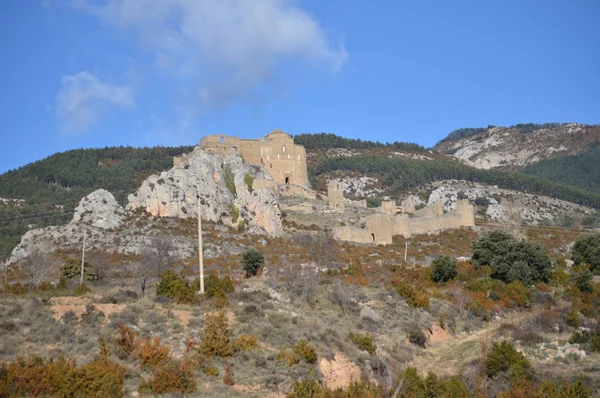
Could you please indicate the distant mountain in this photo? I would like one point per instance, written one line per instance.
(518, 146)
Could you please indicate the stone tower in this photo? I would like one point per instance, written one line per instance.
(335, 195)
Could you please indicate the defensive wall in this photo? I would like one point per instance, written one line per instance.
(380, 228)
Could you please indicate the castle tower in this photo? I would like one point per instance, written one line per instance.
(335, 196)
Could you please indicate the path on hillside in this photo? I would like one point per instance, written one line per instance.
(446, 358)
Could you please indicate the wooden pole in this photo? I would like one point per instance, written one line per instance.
(405, 251)
(82, 258)
(200, 255)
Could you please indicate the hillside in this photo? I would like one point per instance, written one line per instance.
(51, 187)
(518, 146)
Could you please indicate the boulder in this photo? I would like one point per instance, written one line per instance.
(369, 314)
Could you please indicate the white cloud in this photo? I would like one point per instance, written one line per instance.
(227, 48)
(83, 98)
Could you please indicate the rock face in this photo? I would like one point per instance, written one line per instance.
(213, 177)
(99, 209)
(513, 148)
(500, 203)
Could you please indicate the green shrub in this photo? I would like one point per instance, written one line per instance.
(583, 280)
(235, 213)
(503, 357)
(363, 341)
(249, 181)
(305, 351)
(308, 387)
(175, 287)
(416, 336)
(242, 225)
(512, 260)
(172, 378)
(586, 250)
(443, 269)
(573, 318)
(218, 287)
(228, 177)
(72, 270)
(252, 261)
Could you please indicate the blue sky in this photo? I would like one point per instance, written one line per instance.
(94, 73)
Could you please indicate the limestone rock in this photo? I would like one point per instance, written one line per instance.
(99, 209)
(369, 314)
(174, 193)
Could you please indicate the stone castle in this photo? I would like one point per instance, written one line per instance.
(285, 162)
(276, 152)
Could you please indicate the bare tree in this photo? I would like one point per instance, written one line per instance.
(36, 267)
(320, 246)
(156, 258)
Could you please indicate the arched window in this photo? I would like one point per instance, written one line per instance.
(283, 148)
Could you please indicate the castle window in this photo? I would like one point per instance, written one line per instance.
(277, 156)
(287, 180)
(271, 165)
(373, 236)
(283, 148)
(298, 157)
(221, 140)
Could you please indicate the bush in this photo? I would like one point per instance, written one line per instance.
(150, 352)
(218, 287)
(511, 260)
(572, 318)
(416, 336)
(235, 213)
(586, 250)
(412, 297)
(249, 181)
(252, 261)
(216, 337)
(583, 280)
(363, 341)
(72, 270)
(126, 339)
(228, 177)
(443, 269)
(503, 357)
(174, 377)
(175, 287)
(305, 351)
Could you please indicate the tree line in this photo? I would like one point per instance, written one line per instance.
(401, 174)
(326, 140)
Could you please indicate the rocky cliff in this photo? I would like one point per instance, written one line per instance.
(222, 184)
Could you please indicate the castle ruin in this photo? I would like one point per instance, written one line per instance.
(276, 152)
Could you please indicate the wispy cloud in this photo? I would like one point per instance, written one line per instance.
(83, 98)
(227, 48)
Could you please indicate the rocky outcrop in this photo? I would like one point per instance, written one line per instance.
(498, 203)
(99, 209)
(220, 183)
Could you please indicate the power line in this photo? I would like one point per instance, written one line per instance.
(75, 199)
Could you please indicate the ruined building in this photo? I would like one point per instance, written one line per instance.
(335, 196)
(380, 228)
(276, 152)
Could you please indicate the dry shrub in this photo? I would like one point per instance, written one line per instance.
(228, 378)
(216, 337)
(246, 342)
(172, 377)
(126, 339)
(287, 355)
(418, 299)
(150, 352)
(35, 377)
(305, 351)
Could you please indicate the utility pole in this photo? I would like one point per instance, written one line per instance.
(200, 255)
(405, 251)
(82, 258)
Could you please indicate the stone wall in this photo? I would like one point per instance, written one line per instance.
(380, 228)
(277, 153)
